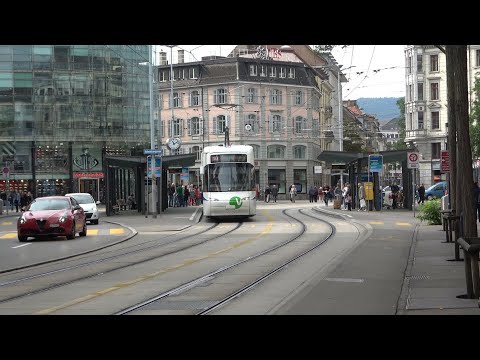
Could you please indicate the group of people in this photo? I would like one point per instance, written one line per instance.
(271, 193)
(16, 199)
(184, 195)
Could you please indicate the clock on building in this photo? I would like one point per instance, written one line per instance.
(174, 143)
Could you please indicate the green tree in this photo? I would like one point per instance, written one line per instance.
(475, 122)
(351, 139)
(400, 143)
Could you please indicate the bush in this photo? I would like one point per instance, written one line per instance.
(430, 211)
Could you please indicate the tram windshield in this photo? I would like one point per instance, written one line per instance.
(230, 177)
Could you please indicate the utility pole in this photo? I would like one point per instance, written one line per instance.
(152, 131)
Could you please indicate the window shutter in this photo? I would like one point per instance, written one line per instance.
(182, 125)
(228, 123)
(190, 99)
(282, 124)
(162, 131)
(270, 123)
(214, 130)
(189, 126)
(169, 128)
(200, 121)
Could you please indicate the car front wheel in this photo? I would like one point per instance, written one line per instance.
(429, 197)
(22, 238)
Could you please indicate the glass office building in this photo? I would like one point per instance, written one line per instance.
(63, 107)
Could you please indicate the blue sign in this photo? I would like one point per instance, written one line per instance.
(158, 152)
(158, 163)
(375, 163)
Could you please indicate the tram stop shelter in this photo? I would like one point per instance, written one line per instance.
(127, 175)
(357, 163)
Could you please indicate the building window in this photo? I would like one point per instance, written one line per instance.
(194, 126)
(409, 64)
(410, 93)
(478, 58)
(300, 123)
(276, 97)
(181, 74)
(253, 70)
(419, 63)
(176, 100)
(420, 120)
(300, 180)
(277, 177)
(291, 73)
(251, 95)
(220, 96)
(299, 152)
(433, 62)
(283, 72)
(251, 119)
(256, 151)
(420, 91)
(276, 124)
(434, 91)
(163, 76)
(192, 73)
(435, 120)
(436, 150)
(276, 152)
(298, 98)
(194, 98)
(263, 70)
(176, 126)
(273, 71)
(219, 124)
(196, 150)
(410, 122)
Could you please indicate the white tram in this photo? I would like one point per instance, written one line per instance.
(228, 181)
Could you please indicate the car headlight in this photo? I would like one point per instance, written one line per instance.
(62, 218)
(22, 219)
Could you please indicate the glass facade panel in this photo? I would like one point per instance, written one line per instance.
(56, 100)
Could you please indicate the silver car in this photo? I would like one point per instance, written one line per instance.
(87, 202)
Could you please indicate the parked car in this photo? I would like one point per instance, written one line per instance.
(436, 191)
(87, 202)
(52, 216)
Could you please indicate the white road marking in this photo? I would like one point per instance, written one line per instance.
(345, 280)
(193, 215)
(18, 246)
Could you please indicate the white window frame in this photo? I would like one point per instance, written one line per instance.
(253, 70)
(263, 70)
(195, 98)
(220, 96)
(298, 98)
(176, 100)
(435, 62)
(192, 73)
(251, 96)
(436, 92)
(273, 71)
(291, 73)
(282, 72)
(276, 97)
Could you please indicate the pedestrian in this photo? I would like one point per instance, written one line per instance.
(421, 194)
(348, 198)
(267, 194)
(362, 204)
(293, 192)
(311, 194)
(274, 192)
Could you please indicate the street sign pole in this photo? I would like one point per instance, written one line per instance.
(146, 195)
(414, 171)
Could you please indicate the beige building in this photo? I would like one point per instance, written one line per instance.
(276, 102)
(426, 114)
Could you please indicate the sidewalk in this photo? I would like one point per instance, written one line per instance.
(434, 283)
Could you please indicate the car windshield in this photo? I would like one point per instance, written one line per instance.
(83, 198)
(50, 204)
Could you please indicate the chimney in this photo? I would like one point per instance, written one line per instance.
(163, 58)
(181, 56)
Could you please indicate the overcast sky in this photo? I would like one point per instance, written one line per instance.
(377, 70)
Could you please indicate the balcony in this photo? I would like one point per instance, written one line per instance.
(417, 133)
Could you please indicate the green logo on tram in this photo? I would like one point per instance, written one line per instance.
(236, 201)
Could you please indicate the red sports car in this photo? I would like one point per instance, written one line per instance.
(52, 216)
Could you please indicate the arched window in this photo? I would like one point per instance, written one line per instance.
(299, 152)
(196, 150)
(256, 151)
(276, 152)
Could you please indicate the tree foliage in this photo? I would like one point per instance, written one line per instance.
(352, 140)
(475, 122)
(400, 143)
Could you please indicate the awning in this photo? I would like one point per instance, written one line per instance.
(182, 160)
(347, 157)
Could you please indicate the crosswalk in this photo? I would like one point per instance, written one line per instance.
(90, 232)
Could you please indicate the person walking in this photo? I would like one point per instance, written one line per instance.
(267, 194)
(421, 194)
(311, 194)
(293, 192)
(274, 192)
(362, 204)
(348, 197)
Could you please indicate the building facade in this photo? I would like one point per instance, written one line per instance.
(426, 115)
(63, 107)
(278, 105)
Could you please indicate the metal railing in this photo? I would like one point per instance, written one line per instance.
(471, 247)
